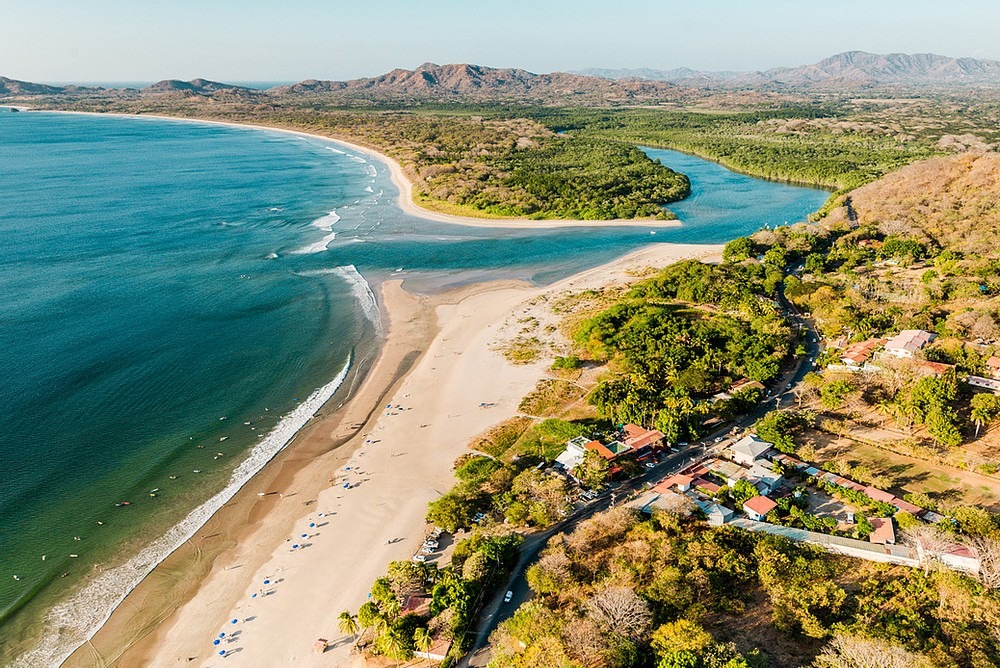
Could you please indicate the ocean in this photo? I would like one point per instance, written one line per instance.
(178, 298)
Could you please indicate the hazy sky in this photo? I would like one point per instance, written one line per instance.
(244, 40)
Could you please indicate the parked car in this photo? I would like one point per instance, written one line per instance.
(508, 596)
(419, 557)
(650, 465)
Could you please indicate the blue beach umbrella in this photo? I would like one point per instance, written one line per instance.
(312, 525)
(222, 652)
(295, 547)
(216, 641)
(267, 582)
(235, 620)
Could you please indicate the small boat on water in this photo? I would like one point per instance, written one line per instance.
(123, 503)
(223, 438)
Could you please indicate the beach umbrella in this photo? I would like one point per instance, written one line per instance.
(295, 547)
(312, 525)
(216, 641)
(222, 635)
(303, 535)
(267, 582)
(235, 620)
(222, 652)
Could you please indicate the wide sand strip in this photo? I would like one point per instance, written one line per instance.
(400, 462)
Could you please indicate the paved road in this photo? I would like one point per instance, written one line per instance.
(497, 610)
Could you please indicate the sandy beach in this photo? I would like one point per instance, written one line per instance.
(439, 363)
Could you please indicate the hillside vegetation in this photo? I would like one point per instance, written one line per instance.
(621, 591)
(951, 202)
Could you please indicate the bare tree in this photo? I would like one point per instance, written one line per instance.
(854, 652)
(620, 610)
(929, 542)
(585, 642)
(987, 551)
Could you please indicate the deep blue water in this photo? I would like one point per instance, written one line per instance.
(158, 276)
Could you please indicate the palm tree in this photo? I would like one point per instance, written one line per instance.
(423, 641)
(393, 644)
(348, 624)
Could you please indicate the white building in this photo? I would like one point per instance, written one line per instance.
(907, 343)
(748, 449)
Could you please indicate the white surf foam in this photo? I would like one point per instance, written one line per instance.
(357, 159)
(326, 222)
(368, 189)
(316, 247)
(361, 289)
(371, 171)
(76, 620)
(335, 150)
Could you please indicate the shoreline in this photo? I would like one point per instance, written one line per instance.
(438, 357)
(402, 182)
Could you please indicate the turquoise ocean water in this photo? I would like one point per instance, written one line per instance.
(160, 276)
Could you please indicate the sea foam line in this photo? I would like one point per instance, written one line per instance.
(359, 287)
(316, 247)
(326, 222)
(76, 620)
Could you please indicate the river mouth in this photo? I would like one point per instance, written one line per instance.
(223, 278)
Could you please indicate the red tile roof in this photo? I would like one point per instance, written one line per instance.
(879, 495)
(760, 505)
(676, 479)
(707, 485)
(637, 437)
(600, 449)
(883, 533)
(908, 507)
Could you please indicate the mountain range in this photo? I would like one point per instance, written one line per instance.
(844, 72)
(851, 69)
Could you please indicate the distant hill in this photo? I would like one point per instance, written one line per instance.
(464, 81)
(862, 68)
(198, 86)
(851, 69)
(678, 74)
(15, 87)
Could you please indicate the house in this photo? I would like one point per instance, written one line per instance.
(416, 604)
(758, 507)
(706, 486)
(718, 515)
(789, 462)
(731, 472)
(438, 651)
(638, 438)
(683, 483)
(763, 478)
(662, 500)
(993, 367)
(857, 354)
(743, 385)
(907, 506)
(933, 368)
(991, 384)
(883, 534)
(571, 457)
(748, 449)
(907, 343)
(878, 495)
